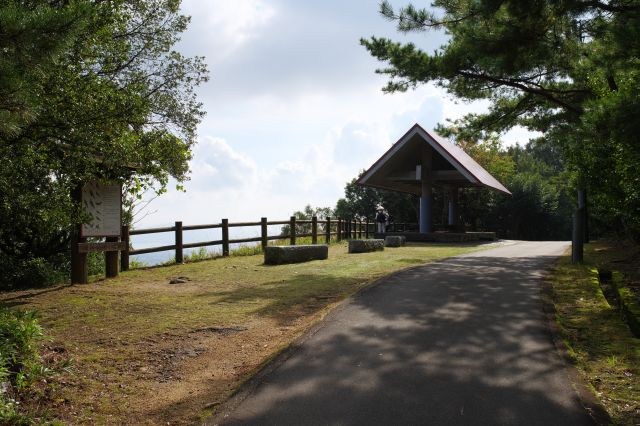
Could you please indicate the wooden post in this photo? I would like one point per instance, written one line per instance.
(124, 255)
(178, 228)
(111, 260)
(327, 231)
(225, 237)
(339, 230)
(79, 268)
(360, 228)
(292, 231)
(263, 232)
(577, 243)
(366, 228)
(314, 230)
(354, 229)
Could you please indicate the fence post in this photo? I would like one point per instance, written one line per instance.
(124, 255)
(327, 231)
(111, 259)
(577, 242)
(178, 228)
(366, 228)
(292, 231)
(339, 230)
(314, 230)
(360, 228)
(225, 237)
(263, 231)
(354, 229)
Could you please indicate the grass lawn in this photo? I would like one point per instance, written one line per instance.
(150, 352)
(600, 343)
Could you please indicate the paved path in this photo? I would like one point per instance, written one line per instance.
(457, 342)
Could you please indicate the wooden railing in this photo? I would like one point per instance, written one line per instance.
(333, 228)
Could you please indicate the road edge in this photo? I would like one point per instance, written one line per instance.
(588, 399)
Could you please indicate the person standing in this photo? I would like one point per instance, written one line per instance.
(381, 220)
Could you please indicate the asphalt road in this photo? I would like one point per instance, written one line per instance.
(457, 342)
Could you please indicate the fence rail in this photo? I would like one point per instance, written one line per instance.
(337, 229)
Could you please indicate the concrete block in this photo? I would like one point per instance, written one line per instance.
(395, 240)
(277, 255)
(364, 246)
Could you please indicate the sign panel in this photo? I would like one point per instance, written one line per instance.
(104, 204)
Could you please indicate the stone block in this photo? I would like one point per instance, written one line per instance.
(277, 255)
(395, 240)
(365, 246)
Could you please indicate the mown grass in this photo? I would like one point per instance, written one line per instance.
(105, 325)
(599, 341)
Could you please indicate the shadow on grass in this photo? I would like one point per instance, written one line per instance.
(23, 298)
(304, 292)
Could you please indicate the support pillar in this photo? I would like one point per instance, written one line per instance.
(426, 202)
(426, 199)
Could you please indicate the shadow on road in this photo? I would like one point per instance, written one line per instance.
(462, 341)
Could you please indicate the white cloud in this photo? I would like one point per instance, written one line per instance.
(519, 135)
(216, 165)
(228, 25)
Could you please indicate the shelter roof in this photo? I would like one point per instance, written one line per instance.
(399, 169)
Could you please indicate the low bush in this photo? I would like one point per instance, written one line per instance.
(29, 273)
(21, 366)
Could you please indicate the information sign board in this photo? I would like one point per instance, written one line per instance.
(104, 203)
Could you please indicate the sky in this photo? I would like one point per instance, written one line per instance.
(294, 108)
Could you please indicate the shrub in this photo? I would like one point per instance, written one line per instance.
(33, 272)
(20, 364)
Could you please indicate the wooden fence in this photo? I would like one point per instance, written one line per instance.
(333, 228)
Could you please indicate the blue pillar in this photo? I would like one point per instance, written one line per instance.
(426, 202)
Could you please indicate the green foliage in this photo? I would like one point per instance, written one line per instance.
(305, 228)
(541, 202)
(568, 69)
(32, 36)
(20, 363)
(89, 90)
(31, 272)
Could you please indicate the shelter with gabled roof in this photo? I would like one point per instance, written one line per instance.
(420, 161)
